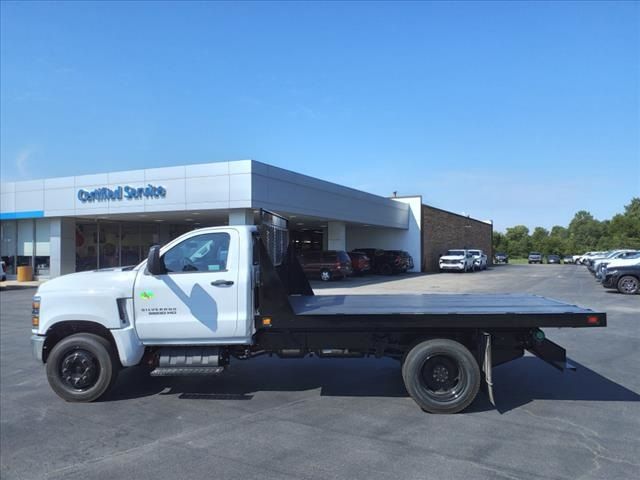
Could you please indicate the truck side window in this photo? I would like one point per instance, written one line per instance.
(204, 253)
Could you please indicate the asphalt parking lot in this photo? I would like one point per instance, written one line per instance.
(335, 419)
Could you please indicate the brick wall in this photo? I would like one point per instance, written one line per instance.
(442, 230)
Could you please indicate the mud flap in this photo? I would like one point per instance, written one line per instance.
(550, 352)
(487, 369)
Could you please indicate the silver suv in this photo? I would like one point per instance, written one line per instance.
(535, 257)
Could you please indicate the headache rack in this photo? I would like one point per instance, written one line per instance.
(281, 274)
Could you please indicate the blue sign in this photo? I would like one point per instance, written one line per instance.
(127, 192)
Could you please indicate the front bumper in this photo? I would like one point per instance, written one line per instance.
(452, 266)
(37, 346)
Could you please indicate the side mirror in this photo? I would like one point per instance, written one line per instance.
(155, 265)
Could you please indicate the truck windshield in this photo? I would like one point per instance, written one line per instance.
(455, 252)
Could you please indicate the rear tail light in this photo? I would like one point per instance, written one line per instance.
(593, 320)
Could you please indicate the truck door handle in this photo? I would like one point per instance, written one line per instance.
(222, 283)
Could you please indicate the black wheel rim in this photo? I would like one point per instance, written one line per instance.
(443, 378)
(79, 370)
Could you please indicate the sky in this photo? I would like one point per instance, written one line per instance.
(521, 113)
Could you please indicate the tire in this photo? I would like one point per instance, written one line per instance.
(325, 275)
(426, 371)
(628, 285)
(75, 352)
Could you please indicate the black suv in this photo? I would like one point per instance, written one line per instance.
(407, 260)
(625, 279)
(383, 261)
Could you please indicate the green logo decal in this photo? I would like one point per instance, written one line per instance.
(146, 295)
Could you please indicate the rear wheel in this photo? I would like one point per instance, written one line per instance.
(82, 367)
(441, 375)
(628, 285)
(325, 275)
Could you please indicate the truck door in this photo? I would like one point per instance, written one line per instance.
(196, 300)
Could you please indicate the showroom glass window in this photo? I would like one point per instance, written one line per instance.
(42, 246)
(8, 243)
(86, 246)
(204, 253)
(109, 251)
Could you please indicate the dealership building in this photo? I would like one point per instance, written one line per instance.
(68, 224)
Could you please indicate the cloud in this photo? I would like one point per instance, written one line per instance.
(22, 160)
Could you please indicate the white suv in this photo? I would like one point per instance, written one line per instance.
(479, 259)
(456, 260)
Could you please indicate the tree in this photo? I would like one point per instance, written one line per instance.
(584, 233)
(624, 229)
(539, 239)
(518, 242)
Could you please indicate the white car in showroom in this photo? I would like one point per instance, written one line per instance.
(458, 260)
(479, 259)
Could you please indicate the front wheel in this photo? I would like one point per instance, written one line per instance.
(441, 375)
(82, 367)
(325, 275)
(628, 285)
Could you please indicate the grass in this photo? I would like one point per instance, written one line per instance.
(518, 261)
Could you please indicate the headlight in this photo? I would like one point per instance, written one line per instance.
(35, 312)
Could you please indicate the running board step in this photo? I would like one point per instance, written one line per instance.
(186, 371)
(186, 361)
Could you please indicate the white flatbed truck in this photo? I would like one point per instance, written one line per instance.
(223, 294)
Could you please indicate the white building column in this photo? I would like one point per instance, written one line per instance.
(62, 246)
(241, 216)
(336, 236)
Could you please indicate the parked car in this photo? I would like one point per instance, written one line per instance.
(535, 257)
(3, 271)
(479, 259)
(459, 260)
(406, 259)
(360, 263)
(625, 279)
(568, 259)
(596, 263)
(383, 261)
(585, 259)
(618, 262)
(326, 265)
(501, 257)
(554, 259)
(582, 259)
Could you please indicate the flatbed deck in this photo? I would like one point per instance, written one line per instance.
(427, 304)
(443, 310)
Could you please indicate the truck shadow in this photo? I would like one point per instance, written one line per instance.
(515, 384)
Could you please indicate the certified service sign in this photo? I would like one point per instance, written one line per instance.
(121, 192)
